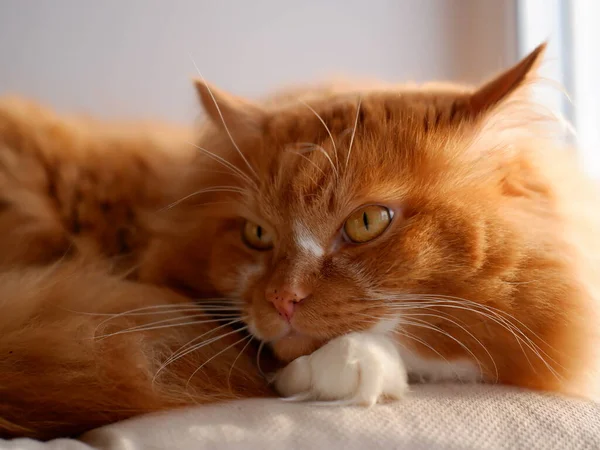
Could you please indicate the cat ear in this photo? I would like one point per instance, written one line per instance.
(504, 85)
(228, 111)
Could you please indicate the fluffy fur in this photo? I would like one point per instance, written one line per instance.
(488, 270)
(80, 204)
(69, 362)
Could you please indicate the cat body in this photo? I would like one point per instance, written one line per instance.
(449, 218)
(83, 341)
(366, 233)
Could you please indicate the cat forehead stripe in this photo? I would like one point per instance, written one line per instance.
(306, 241)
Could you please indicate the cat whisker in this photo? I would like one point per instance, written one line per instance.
(223, 120)
(330, 137)
(471, 335)
(501, 316)
(494, 315)
(180, 354)
(230, 189)
(167, 324)
(311, 162)
(153, 313)
(498, 312)
(197, 302)
(504, 324)
(306, 158)
(217, 308)
(425, 344)
(190, 346)
(423, 324)
(353, 132)
(312, 147)
(258, 353)
(235, 170)
(161, 308)
(215, 355)
(203, 204)
(235, 360)
(406, 333)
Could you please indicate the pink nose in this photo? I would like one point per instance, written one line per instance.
(285, 298)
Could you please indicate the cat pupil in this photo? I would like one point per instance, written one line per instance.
(259, 232)
(366, 220)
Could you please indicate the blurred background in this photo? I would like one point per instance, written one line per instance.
(133, 58)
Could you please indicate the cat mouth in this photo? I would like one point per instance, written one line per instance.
(293, 343)
(292, 333)
(288, 332)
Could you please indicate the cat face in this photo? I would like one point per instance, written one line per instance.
(339, 225)
(343, 207)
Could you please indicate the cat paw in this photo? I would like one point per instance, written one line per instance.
(357, 368)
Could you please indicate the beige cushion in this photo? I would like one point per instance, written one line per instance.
(432, 416)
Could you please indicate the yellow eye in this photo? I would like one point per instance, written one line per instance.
(365, 224)
(256, 236)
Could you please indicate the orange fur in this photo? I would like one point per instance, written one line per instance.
(59, 378)
(79, 200)
(71, 183)
(491, 255)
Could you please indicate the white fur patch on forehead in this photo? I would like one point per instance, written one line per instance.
(307, 241)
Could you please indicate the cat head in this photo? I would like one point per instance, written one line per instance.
(338, 207)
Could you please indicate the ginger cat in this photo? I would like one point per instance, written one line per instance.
(438, 232)
(365, 233)
(81, 341)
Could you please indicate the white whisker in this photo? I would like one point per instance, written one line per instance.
(306, 158)
(230, 189)
(423, 324)
(155, 325)
(160, 308)
(217, 354)
(235, 170)
(258, 353)
(188, 347)
(471, 335)
(223, 120)
(501, 315)
(495, 315)
(353, 132)
(188, 308)
(330, 137)
(312, 147)
(235, 360)
(425, 344)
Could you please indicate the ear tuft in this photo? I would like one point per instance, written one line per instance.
(505, 84)
(228, 111)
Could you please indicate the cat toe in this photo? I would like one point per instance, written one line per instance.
(358, 369)
(294, 378)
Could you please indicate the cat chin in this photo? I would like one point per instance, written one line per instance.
(293, 345)
(287, 343)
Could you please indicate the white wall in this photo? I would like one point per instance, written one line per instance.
(130, 57)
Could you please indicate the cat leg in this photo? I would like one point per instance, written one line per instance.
(356, 368)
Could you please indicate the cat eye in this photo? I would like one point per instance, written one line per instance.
(256, 237)
(367, 223)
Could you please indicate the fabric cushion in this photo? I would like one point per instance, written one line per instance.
(450, 416)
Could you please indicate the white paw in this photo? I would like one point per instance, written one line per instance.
(357, 368)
